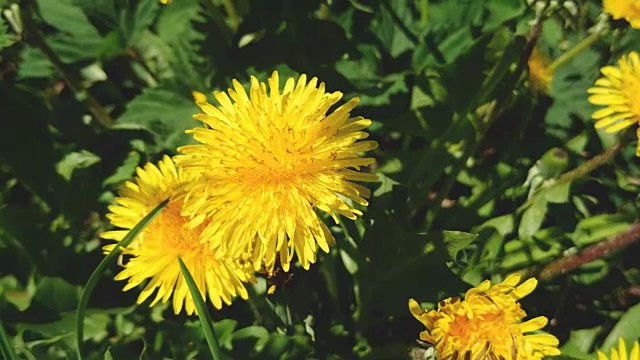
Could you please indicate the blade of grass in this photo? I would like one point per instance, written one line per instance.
(205, 319)
(100, 269)
(5, 345)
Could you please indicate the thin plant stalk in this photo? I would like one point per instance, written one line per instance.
(102, 267)
(6, 349)
(203, 314)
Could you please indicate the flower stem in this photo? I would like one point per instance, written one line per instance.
(580, 171)
(600, 250)
(573, 52)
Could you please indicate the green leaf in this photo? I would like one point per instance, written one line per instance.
(6, 347)
(125, 170)
(164, 113)
(78, 38)
(6, 39)
(101, 268)
(76, 160)
(203, 314)
(532, 218)
(580, 343)
(455, 241)
(628, 328)
(57, 294)
(599, 227)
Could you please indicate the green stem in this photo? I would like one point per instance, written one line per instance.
(573, 52)
(580, 171)
(203, 314)
(6, 349)
(101, 268)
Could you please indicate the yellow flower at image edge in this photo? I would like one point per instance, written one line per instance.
(486, 324)
(618, 92)
(267, 160)
(624, 9)
(621, 352)
(540, 72)
(154, 253)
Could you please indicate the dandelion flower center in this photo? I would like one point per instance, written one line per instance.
(154, 254)
(267, 160)
(171, 231)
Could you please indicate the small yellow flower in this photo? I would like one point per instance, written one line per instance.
(267, 161)
(540, 72)
(486, 324)
(165, 2)
(624, 9)
(621, 352)
(154, 253)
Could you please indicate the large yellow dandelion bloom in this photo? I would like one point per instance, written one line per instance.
(486, 324)
(267, 161)
(621, 352)
(154, 253)
(618, 91)
(540, 72)
(624, 9)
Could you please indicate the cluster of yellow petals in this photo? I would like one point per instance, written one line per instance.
(155, 251)
(621, 352)
(624, 9)
(266, 161)
(486, 324)
(540, 72)
(618, 92)
(246, 197)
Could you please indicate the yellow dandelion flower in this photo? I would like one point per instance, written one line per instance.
(618, 91)
(154, 253)
(265, 163)
(486, 324)
(621, 352)
(540, 72)
(624, 9)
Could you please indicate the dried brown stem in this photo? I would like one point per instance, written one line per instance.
(597, 251)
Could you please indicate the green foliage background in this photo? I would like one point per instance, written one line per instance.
(92, 89)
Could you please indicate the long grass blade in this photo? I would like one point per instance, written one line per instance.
(6, 349)
(205, 318)
(100, 269)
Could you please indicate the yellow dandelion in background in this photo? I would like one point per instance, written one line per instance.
(540, 72)
(267, 161)
(486, 324)
(155, 251)
(624, 9)
(618, 91)
(621, 352)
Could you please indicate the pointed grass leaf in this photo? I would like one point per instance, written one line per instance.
(5, 345)
(203, 314)
(100, 269)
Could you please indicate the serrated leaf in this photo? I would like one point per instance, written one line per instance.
(164, 113)
(5, 38)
